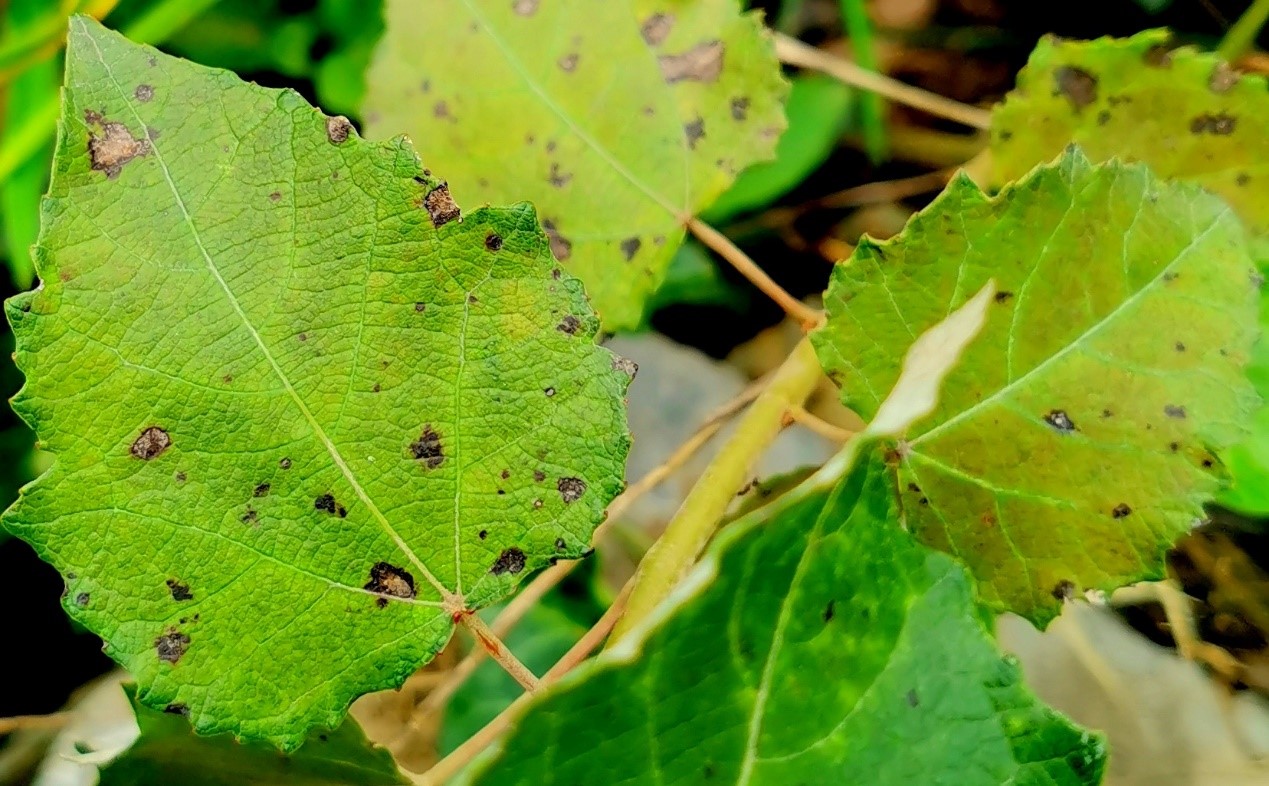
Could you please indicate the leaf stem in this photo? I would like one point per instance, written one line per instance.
(499, 652)
(729, 251)
(863, 47)
(1242, 36)
(820, 426)
(28, 722)
(794, 52)
(695, 522)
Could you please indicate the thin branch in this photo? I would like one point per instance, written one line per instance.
(499, 652)
(55, 720)
(794, 52)
(728, 250)
(829, 431)
(694, 524)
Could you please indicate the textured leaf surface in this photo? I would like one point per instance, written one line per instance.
(1185, 113)
(615, 118)
(301, 411)
(168, 752)
(800, 652)
(1074, 441)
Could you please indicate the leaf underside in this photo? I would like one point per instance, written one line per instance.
(302, 409)
(821, 583)
(616, 119)
(1075, 439)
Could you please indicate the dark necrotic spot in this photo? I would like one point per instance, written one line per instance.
(337, 129)
(625, 366)
(1179, 346)
(655, 28)
(549, 392)
(1060, 421)
(114, 147)
(171, 646)
(506, 473)
(151, 444)
(560, 545)
(440, 206)
(561, 247)
(694, 131)
(249, 516)
(571, 489)
(1222, 124)
(327, 504)
(1158, 56)
(1078, 85)
(285, 463)
(143, 93)
(558, 178)
(82, 599)
(275, 196)
(1223, 78)
(1121, 510)
(179, 590)
(419, 308)
(1064, 590)
(177, 709)
(537, 503)
(630, 247)
(484, 533)
(441, 110)
(1174, 411)
(510, 561)
(427, 448)
(387, 579)
(568, 63)
(701, 63)
(739, 108)
(539, 475)
(180, 477)
(261, 490)
(912, 698)
(829, 611)
(1003, 297)
(569, 325)
(493, 242)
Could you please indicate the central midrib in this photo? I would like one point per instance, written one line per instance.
(316, 427)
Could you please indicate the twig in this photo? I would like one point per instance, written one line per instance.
(820, 426)
(552, 576)
(694, 523)
(55, 720)
(1242, 36)
(794, 52)
(493, 645)
(461, 756)
(728, 250)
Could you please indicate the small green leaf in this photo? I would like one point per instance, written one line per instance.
(167, 752)
(303, 409)
(1074, 441)
(617, 119)
(1185, 113)
(800, 651)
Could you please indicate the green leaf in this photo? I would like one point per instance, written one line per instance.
(1073, 443)
(617, 119)
(818, 109)
(167, 752)
(693, 278)
(1185, 113)
(298, 403)
(800, 651)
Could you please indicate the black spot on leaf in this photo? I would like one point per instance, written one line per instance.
(558, 178)
(829, 611)
(569, 325)
(739, 108)
(571, 489)
(1060, 421)
(694, 131)
(568, 63)
(112, 146)
(285, 463)
(440, 206)
(625, 366)
(630, 247)
(912, 698)
(561, 247)
(427, 448)
(177, 709)
(1003, 297)
(388, 579)
(337, 129)
(493, 242)
(510, 561)
(1121, 510)
(143, 93)
(179, 590)
(1174, 411)
(261, 490)
(82, 599)
(171, 646)
(1064, 590)
(151, 444)
(1222, 124)
(327, 504)
(1078, 85)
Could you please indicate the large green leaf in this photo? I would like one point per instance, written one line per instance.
(618, 119)
(167, 752)
(303, 410)
(1185, 113)
(816, 643)
(1074, 442)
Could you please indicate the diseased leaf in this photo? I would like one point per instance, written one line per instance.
(303, 409)
(617, 119)
(1075, 440)
(799, 652)
(1185, 113)
(167, 752)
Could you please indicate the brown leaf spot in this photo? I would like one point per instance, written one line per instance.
(1060, 421)
(701, 63)
(1064, 590)
(275, 196)
(427, 448)
(171, 646)
(1159, 56)
(1078, 85)
(557, 178)
(114, 147)
(560, 545)
(386, 579)
(177, 709)
(484, 533)
(261, 490)
(1174, 411)
(537, 503)
(441, 110)
(630, 247)
(327, 504)
(440, 206)
(493, 242)
(179, 590)
(82, 599)
(739, 108)
(1217, 125)
(561, 247)
(284, 463)
(143, 93)
(539, 475)
(337, 129)
(249, 516)
(1003, 296)
(694, 131)
(1223, 78)
(569, 325)
(510, 561)
(568, 63)
(571, 489)
(656, 28)
(525, 7)
(625, 366)
(1121, 510)
(151, 444)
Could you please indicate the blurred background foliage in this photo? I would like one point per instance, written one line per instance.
(849, 164)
